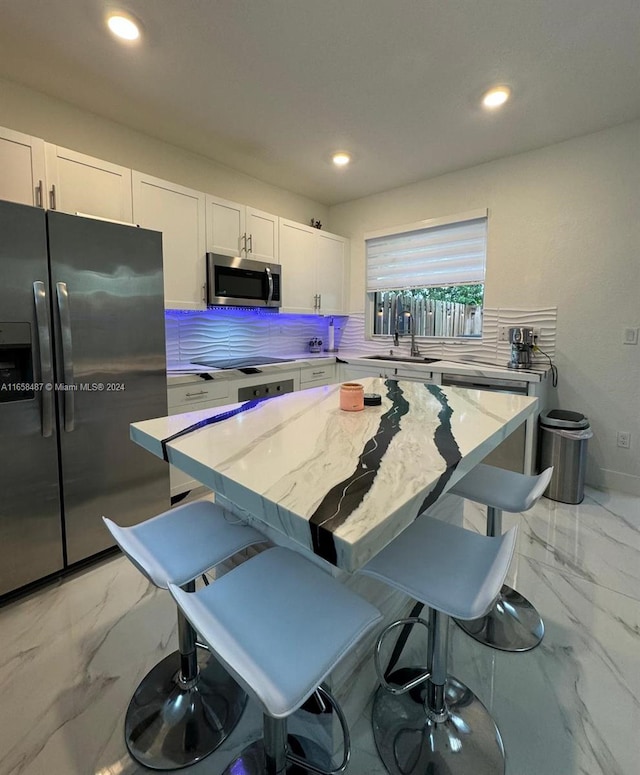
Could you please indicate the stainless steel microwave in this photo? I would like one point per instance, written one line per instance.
(242, 282)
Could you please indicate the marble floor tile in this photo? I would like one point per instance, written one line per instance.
(597, 540)
(72, 654)
(572, 704)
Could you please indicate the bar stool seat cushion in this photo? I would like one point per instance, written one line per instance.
(502, 489)
(423, 559)
(180, 544)
(279, 624)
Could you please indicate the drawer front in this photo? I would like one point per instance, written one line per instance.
(326, 373)
(315, 383)
(196, 392)
(414, 376)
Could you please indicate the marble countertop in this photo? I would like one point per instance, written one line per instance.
(178, 372)
(465, 368)
(340, 484)
(183, 371)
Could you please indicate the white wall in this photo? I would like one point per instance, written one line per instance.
(37, 114)
(564, 230)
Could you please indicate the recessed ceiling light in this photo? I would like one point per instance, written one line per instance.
(341, 159)
(496, 97)
(123, 27)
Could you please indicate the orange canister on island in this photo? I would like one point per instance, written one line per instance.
(351, 397)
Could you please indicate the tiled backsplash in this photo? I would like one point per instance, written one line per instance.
(232, 333)
(489, 348)
(222, 333)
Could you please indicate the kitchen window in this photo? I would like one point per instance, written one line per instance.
(428, 277)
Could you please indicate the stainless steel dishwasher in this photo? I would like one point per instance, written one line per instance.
(510, 454)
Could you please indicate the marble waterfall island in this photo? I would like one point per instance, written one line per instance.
(339, 484)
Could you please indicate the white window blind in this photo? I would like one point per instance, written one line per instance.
(449, 254)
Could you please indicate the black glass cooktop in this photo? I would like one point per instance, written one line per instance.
(241, 363)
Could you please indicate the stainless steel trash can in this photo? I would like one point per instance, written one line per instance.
(564, 436)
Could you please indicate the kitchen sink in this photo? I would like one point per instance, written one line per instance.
(400, 359)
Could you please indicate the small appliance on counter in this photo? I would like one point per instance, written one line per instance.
(521, 340)
(315, 345)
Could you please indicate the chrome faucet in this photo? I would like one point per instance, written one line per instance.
(415, 350)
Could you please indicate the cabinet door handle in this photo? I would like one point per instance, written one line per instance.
(199, 393)
(250, 243)
(243, 243)
(39, 200)
(204, 293)
(319, 302)
(52, 198)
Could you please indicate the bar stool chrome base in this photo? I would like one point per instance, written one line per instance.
(465, 742)
(169, 725)
(513, 624)
(252, 759)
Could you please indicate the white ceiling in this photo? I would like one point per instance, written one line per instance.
(273, 87)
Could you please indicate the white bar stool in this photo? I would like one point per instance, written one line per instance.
(441, 728)
(512, 624)
(279, 624)
(187, 705)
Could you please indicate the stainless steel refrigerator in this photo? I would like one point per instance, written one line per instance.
(82, 355)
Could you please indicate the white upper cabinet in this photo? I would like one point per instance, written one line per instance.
(297, 258)
(22, 169)
(192, 223)
(261, 236)
(81, 184)
(313, 270)
(234, 229)
(331, 272)
(225, 226)
(179, 213)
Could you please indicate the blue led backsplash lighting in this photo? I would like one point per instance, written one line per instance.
(222, 332)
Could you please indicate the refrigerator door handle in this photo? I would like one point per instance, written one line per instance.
(67, 355)
(46, 364)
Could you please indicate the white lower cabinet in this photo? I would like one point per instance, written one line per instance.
(23, 169)
(179, 213)
(316, 376)
(349, 371)
(355, 371)
(192, 397)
